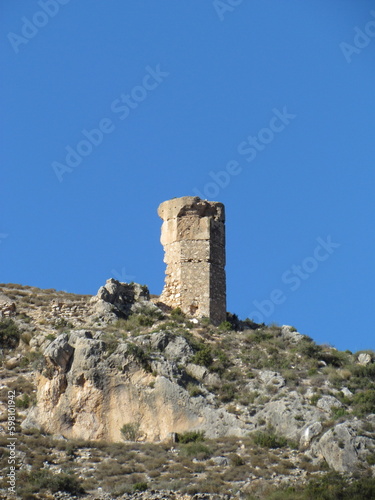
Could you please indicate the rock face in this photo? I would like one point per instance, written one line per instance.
(91, 394)
(193, 236)
(344, 446)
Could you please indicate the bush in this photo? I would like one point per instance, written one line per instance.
(236, 460)
(130, 431)
(46, 480)
(140, 487)
(203, 357)
(334, 486)
(194, 390)
(9, 334)
(227, 392)
(177, 315)
(197, 450)
(269, 440)
(23, 402)
(225, 326)
(190, 437)
(364, 403)
(139, 354)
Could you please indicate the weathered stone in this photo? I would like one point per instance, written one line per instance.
(116, 299)
(193, 236)
(309, 432)
(343, 446)
(326, 403)
(289, 333)
(60, 351)
(7, 307)
(220, 460)
(364, 358)
(347, 392)
(289, 415)
(271, 378)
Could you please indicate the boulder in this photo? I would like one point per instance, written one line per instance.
(309, 432)
(268, 377)
(7, 307)
(289, 333)
(364, 358)
(343, 446)
(326, 403)
(116, 299)
(59, 351)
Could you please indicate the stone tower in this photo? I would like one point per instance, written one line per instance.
(193, 237)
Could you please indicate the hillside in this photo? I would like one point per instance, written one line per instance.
(116, 394)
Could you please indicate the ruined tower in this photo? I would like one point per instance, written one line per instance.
(193, 237)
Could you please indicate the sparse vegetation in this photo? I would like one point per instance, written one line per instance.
(234, 354)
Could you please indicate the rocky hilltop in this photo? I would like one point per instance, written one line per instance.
(118, 396)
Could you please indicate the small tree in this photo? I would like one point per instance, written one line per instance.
(131, 431)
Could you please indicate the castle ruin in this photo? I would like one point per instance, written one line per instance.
(193, 237)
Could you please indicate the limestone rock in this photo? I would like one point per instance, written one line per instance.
(289, 416)
(59, 351)
(173, 347)
(347, 392)
(116, 299)
(343, 446)
(309, 432)
(7, 307)
(220, 460)
(289, 333)
(271, 378)
(326, 403)
(364, 358)
(97, 394)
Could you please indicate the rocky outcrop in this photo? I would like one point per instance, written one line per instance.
(364, 358)
(119, 300)
(92, 393)
(345, 446)
(7, 307)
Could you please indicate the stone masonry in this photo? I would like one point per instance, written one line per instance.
(193, 237)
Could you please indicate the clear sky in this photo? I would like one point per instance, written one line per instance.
(109, 108)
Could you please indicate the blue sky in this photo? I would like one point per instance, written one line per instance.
(266, 106)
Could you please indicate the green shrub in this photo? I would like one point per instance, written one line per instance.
(194, 390)
(203, 357)
(308, 348)
(139, 354)
(364, 403)
(333, 486)
(177, 315)
(23, 402)
(269, 440)
(225, 326)
(130, 431)
(9, 334)
(190, 437)
(236, 460)
(227, 392)
(140, 487)
(197, 450)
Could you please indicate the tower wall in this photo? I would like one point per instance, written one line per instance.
(193, 236)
